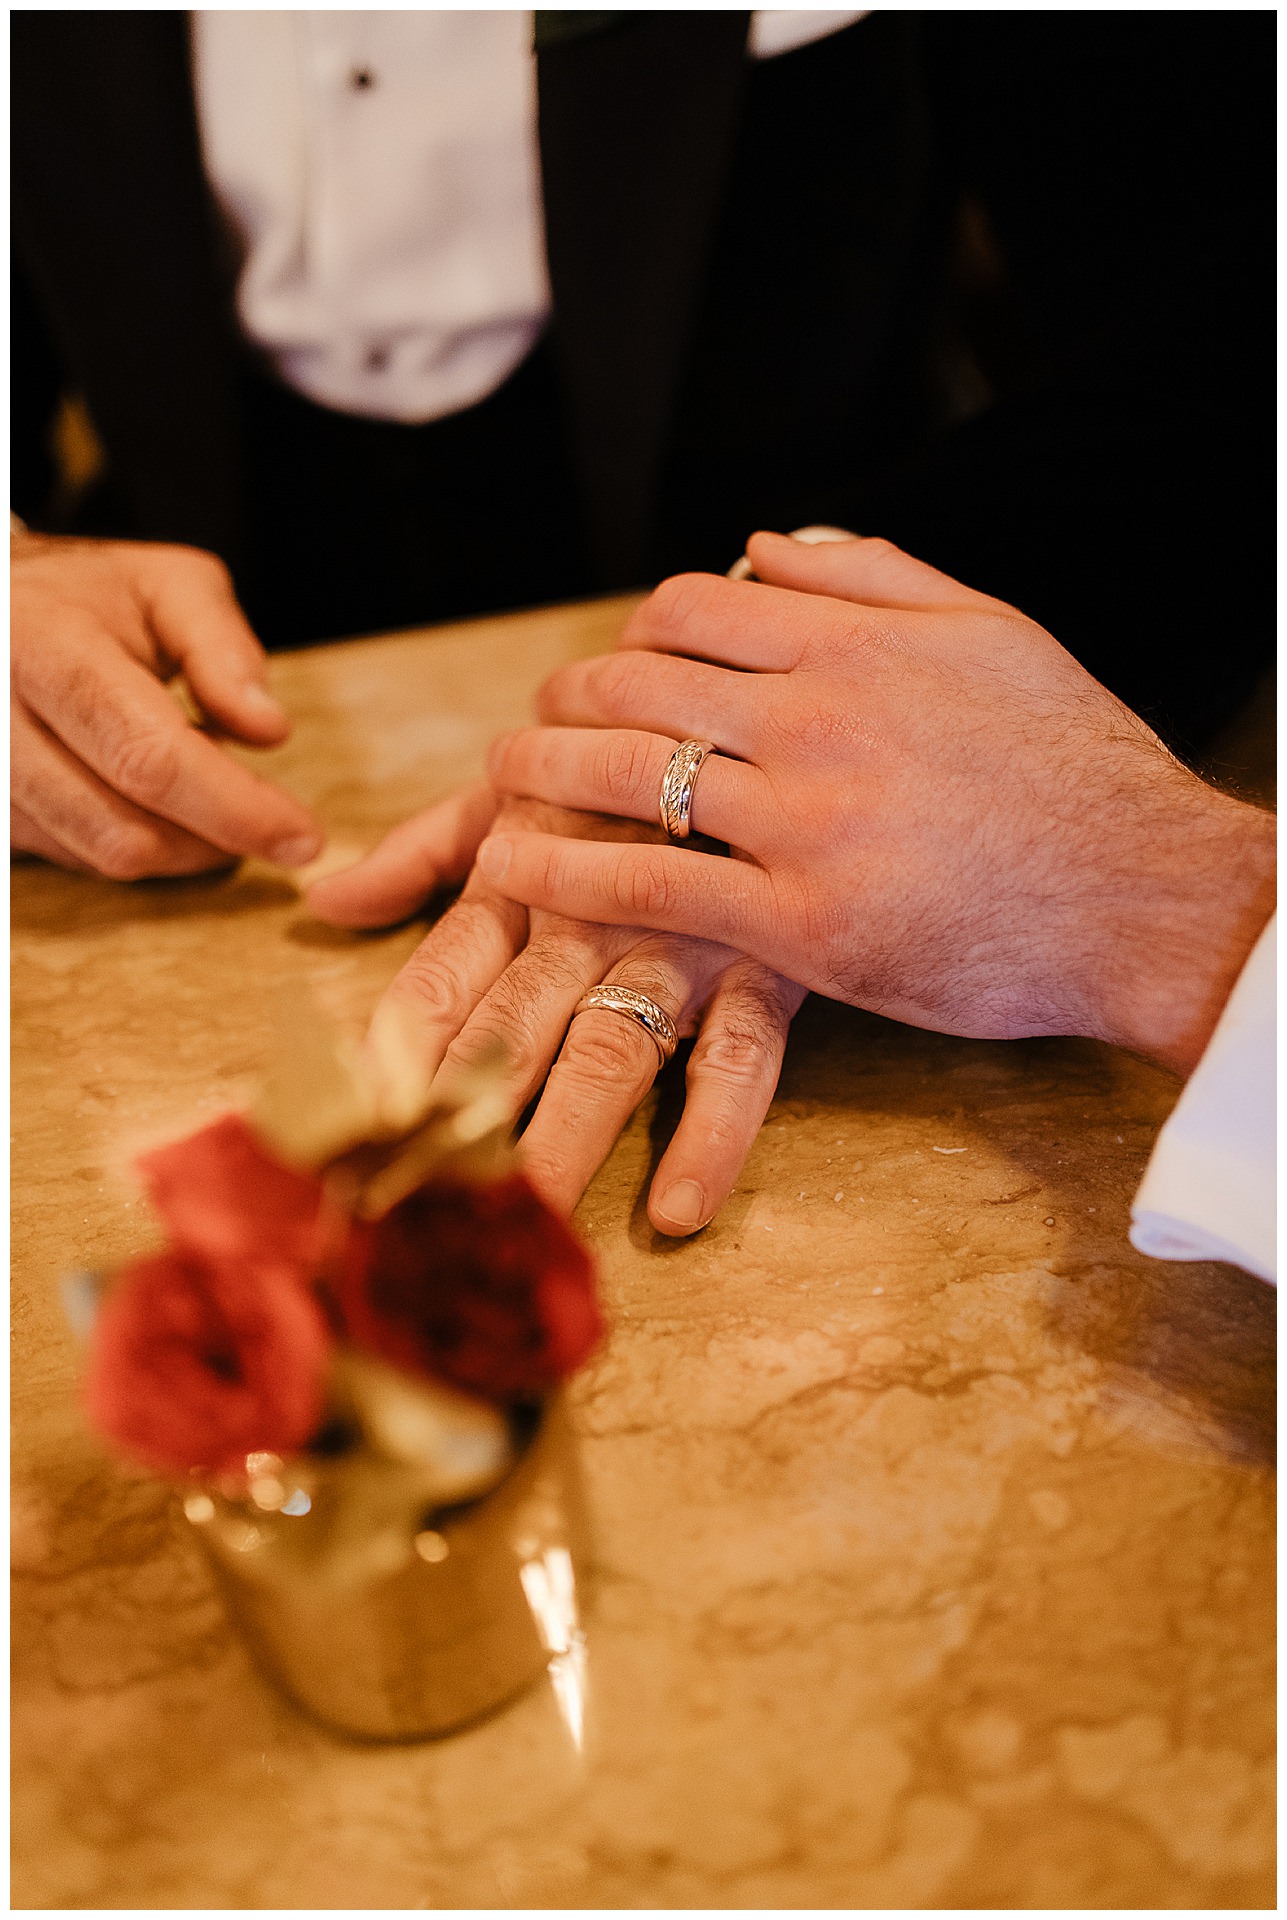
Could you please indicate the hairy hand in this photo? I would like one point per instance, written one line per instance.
(106, 774)
(490, 970)
(942, 817)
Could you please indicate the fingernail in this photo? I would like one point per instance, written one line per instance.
(683, 1205)
(298, 850)
(493, 857)
(260, 701)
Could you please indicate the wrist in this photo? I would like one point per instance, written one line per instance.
(1197, 909)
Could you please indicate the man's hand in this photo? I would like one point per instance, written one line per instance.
(944, 818)
(490, 971)
(106, 774)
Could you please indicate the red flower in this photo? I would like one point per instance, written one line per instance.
(224, 1197)
(480, 1285)
(196, 1364)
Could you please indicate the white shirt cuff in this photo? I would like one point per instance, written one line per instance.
(1209, 1190)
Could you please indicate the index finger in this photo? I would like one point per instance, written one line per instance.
(189, 600)
(419, 857)
(111, 712)
(634, 885)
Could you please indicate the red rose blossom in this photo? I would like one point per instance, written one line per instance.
(480, 1285)
(225, 1197)
(196, 1364)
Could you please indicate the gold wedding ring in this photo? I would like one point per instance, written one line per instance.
(677, 783)
(654, 1020)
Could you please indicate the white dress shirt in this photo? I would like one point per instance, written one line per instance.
(381, 174)
(1209, 1192)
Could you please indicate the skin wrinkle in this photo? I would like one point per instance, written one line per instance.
(740, 1049)
(435, 985)
(611, 1050)
(589, 1093)
(1020, 860)
(123, 843)
(564, 963)
(144, 765)
(87, 663)
(505, 1015)
(82, 690)
(625, 767)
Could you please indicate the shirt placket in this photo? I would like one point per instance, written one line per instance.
(328, 61)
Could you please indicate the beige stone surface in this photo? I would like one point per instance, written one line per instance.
(934, 1525)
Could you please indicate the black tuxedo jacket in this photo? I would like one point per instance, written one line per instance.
(996, 285)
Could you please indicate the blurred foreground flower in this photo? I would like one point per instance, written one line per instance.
(349, 1356)
(352, 1210)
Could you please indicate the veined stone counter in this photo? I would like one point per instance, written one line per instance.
(934, 1525)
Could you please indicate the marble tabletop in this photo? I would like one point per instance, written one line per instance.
(934, 1526)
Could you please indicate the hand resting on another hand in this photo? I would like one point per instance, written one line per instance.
(942, 816)
(490, 970)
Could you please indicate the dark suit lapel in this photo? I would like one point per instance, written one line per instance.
(636, 128)
(116, 230)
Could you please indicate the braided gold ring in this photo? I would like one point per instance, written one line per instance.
(654, 1020)
(676, 802)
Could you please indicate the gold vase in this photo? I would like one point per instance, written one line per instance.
(390, 1617)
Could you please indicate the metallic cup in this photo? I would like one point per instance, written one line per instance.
(483, 1598)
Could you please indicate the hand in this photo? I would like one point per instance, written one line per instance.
(946, 819)
(106, 774)
(490, 971)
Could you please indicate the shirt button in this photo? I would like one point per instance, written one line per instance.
(361, 79)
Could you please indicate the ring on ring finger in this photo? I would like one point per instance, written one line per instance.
(640, 1008)
(675, 803)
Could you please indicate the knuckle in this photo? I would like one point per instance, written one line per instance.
(643, 889)
(806, 731)
(123, 852)
(431, 984)
(674, 606)
(745, 1040)
(606, 1048)
(61, 679)
(623, 768)
(485, 1036)
(564, 963)
(643, 976)
(143, 763)
(618, 682)
(737, 1051)
(553, 1172)
(199, 561)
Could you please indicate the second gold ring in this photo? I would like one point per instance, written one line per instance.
(645, 1013)
(677, 783)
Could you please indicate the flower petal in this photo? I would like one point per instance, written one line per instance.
(477, 1283)
(224, 1196)
(193, 1366)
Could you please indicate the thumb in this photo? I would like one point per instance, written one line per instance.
(433, 850)
(874, 572)
(195, 617)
